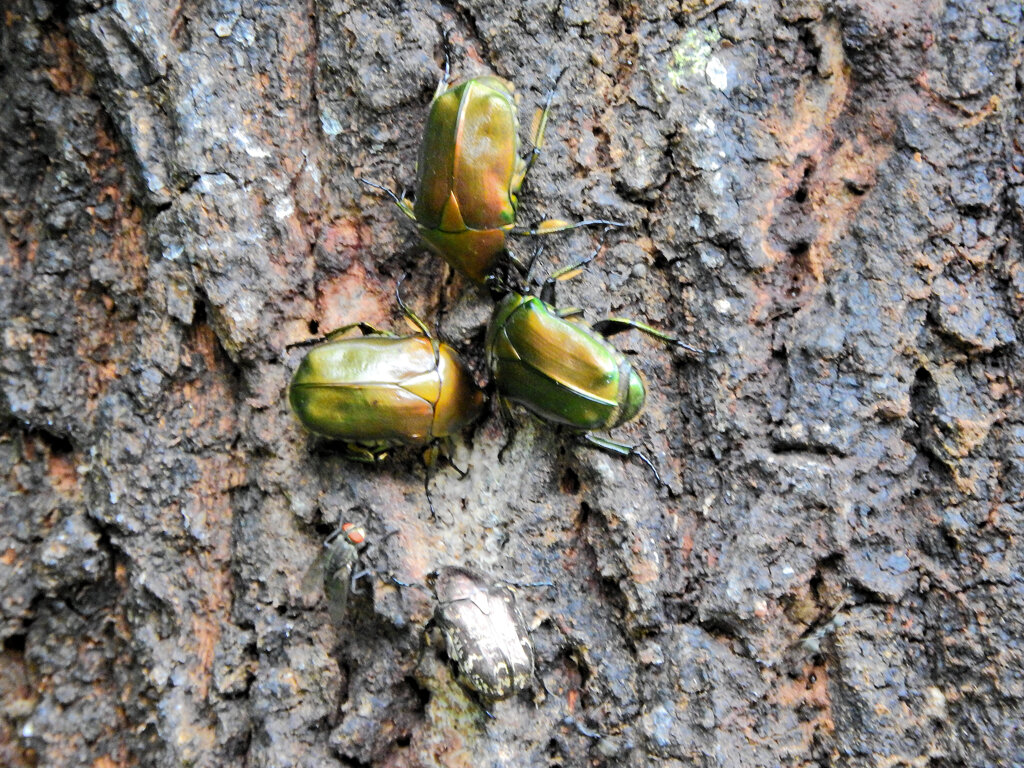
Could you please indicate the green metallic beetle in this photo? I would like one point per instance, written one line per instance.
(469, 174)
(563, 370)
(382, 390)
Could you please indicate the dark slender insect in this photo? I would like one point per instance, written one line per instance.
(335, 569)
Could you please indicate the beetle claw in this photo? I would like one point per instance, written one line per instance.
(555, 74)
(650, 464)
(430, 503)
(446, 44)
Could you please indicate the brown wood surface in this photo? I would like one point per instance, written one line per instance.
(826, 198)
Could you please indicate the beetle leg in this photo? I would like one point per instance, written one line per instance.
(570, 313)
(516, 263)
(531, 584)
(429, 461)
(453, 465)
(547, 291)
(391, 578)
(584, 731)
(401, 202)
(508, 424)
(426, 490)
(430, 455)
(445, 447)
(550, 226)
(413, 317)
(366, 328)
(533, 260)
(337, 333)
(499, 282)
(622, 449)
(366, 455)
(613, 325)
(442, 86)
(479, 702)
(540, 124)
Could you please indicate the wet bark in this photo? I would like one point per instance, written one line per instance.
(827, 198)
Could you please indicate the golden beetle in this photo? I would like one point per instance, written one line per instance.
(382, 390)
(469, 174)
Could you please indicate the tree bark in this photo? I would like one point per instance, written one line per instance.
(826, 198)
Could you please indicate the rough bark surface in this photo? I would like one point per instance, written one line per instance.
(826, 197)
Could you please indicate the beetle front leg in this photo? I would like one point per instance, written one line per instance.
(365, 328)
(403, 205)
(621, 449)
(446, 45)
(570, 313)
(550, 226)
(413, 317)
(430, 455)
(540, 124)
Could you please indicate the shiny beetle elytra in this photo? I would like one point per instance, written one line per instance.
(381, 390)
(469, 174)
(484, 633)
(378, 391)
(561, 369)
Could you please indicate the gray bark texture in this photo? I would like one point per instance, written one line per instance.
(826, 198)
